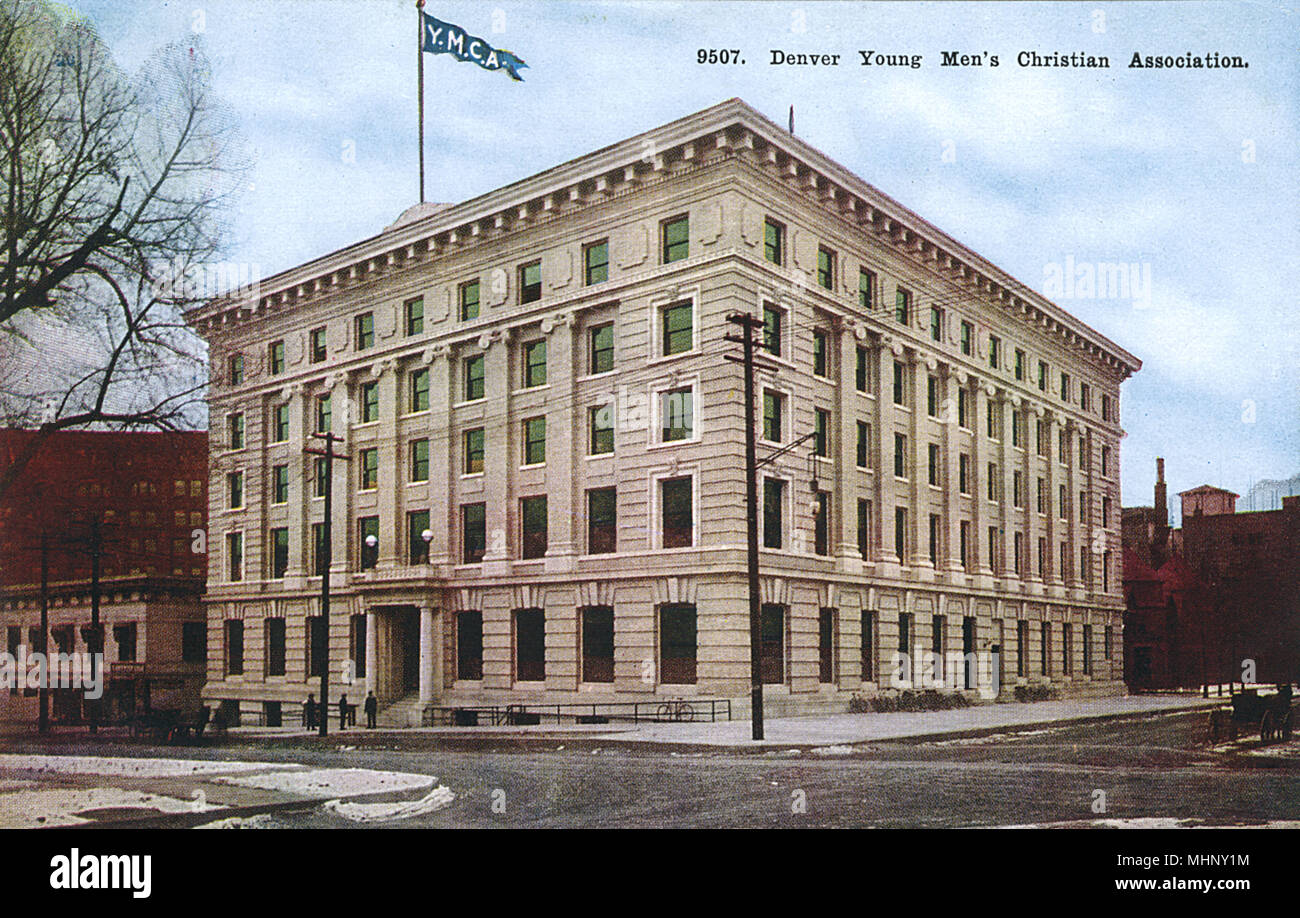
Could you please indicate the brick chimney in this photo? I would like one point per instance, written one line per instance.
(1161, 496)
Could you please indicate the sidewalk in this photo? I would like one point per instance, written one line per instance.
(780, 732)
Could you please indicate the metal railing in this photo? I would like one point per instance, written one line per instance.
(677, 710)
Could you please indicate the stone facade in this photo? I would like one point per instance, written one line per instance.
(771, 227)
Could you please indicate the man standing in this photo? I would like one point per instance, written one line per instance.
(372, 709)
(309, 711)
(343, 711)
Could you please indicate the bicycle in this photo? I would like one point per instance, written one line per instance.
(676, 711)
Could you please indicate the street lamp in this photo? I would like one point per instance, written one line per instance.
(427, 537)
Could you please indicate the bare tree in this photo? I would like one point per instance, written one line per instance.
(110, 219)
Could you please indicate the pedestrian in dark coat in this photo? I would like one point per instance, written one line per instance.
(343, 711)
(372, 710)
(309, 712)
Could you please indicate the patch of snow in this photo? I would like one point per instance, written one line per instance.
(65, 806)
(436, 799)
(331, 782)
(833, 750)
(126, 767)
(257, 821)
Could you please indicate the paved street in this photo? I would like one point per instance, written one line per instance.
(1153, 771)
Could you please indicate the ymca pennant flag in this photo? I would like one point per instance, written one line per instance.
(444, 38)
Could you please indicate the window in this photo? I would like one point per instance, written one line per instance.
(280, 424)
(826, 646)
(368, 529)
(234, 647)
(902, 306)
(320, 549)
(773, 502)
(369, 469)
(934, 539)
(993, 482)
(469, 645)
(1042, 376)
(530, 282)
(369, 402)
(772, 317)
(365, 331)
(234, 556)
(357, 644)
(967, 334)
(864, 445)
(532, 516)
(905, 632)
(235, 489)
(1063, 509)
(1083, 506)
(963, 408)
(1022, 648)
(1105, 460)
(474, 451)
(473, 520)
(535, 364)
(964, 534)
(678, 512)
(677, 329)
(1020, 365)
(1106, 410)
(862, 379)
(273, 636)
(1045, 649)
(1017, 434)
(825, 268)
(937, 627)
(773, 410)
(933, 449)
(317, 344)
(236, 367)
(1063, 448)
(1105, 571)
(1106, 642)
(677, 643)
(414, 310)
(279, 484)
(419, 450)
(474, 370)
(275, 358)
(602, 348)
(468, 294)
(1042, 438)
(1017, 488)
(900, 455)
(821, 523)
(420, 390)
(994, 419)
(868, 646)
(771, 654)
(279, 552)
(534, 441)
(595, 260)
(323, 414)
(1065, 387)
(1067, 648)
(773, 241)
(819, 353)
(1064, 573)
(319, 477)
(1105, 512)
(235, 430)
(866, 289)
(417, 524)
(1085, 398)
(932, 396)
(936, 323)
(900, 533)
(676, 236)
(864, 528)
(1042, 557)
(601, 423)
(194, 642)
(821, 432)
(530, 645)
(1087, 650)
(677, 414)
(963, 473)
(995, 351)
(1018, 551)
(602, 521)
(900, 376)
(597, 644)
(993, 549)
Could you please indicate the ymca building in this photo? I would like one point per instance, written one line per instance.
(544, 496)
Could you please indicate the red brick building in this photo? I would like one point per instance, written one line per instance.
(141, 498)
(1217, 601)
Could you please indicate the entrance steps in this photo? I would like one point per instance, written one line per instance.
(404, 712)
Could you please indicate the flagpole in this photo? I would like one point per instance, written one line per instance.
(419, 52)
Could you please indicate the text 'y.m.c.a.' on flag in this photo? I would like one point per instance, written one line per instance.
(440, 37)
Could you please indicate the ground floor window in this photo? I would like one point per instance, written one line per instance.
(1022, 648)
(968, 649)
(598, 644)
(530, 645)
(234, 647)
(469, 645)
(317, 652)
(1067, 647)
(1087, 650)
(677, 643)
(772, 646)
(273, 637)
(868, 646)
(357, 644)
(1046, 649)
(826, 645)
(194, 642)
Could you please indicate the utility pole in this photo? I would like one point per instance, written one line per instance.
(748, 324)
(323, 562)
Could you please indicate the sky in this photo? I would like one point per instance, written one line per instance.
(1188, 176)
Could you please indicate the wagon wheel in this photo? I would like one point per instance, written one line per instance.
(665, 712)
(1267, 727)
(686, 712)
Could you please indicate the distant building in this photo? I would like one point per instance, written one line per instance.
(1269, 493)
(142, 499)
(1215, 600)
